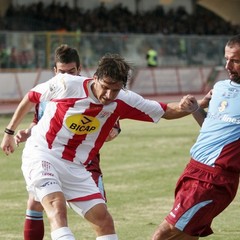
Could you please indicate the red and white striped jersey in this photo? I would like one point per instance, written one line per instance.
(75, 124)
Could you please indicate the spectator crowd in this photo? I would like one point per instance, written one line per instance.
(58, 17)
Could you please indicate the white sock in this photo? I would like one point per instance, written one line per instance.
(63, 233)
(108, 237)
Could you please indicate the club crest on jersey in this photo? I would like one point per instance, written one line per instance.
(52, 87)
(104, 114)
(81, 124)
(231, 93)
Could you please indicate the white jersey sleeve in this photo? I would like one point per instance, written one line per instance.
(59, 87)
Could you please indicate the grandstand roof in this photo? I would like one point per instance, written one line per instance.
(228, 10)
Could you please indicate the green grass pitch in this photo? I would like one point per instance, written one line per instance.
(140, 169)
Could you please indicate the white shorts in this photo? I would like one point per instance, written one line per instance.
(45, 174)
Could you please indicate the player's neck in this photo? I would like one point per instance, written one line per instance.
(91, 90)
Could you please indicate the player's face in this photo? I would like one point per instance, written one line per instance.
(105, 90)
(232, 56)
(70, 68)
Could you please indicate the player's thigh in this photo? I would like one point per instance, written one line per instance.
(95, 211)
(87, 209)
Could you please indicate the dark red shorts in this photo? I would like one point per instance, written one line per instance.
(202, 192)
(94, 168)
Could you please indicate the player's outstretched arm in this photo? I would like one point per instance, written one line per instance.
(186, 106)
(8, 142)
(199, 114)
(204, 102)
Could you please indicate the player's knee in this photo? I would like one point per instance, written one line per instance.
(57, 213)
(55, 207)
(101, 218)
(107, 221)
(57, 216)
(165, 231)
(58, 209)
(105, 225)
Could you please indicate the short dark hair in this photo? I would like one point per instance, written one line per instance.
(115, 67)
(235, 40)
(66, 54)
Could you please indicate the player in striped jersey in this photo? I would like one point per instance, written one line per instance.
(66, 61)
(78, 117)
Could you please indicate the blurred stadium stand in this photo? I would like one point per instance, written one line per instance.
(189, 40)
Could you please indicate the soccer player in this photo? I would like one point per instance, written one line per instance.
(66, 61)
(76, 122)
(210, 181)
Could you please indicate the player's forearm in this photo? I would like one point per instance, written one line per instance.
(31, 125)
(173, 111)
(204, 102)
(199, 115)
(23, 108)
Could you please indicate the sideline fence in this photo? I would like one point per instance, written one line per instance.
(145, 81)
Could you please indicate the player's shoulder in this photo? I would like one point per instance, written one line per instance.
(71, 80)
(70, 77)
(132, 98)
(222, 82)
(126, 93)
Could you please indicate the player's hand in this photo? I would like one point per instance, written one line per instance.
(113, 134)
(22, 136)
(188, 103)
(8, 144)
